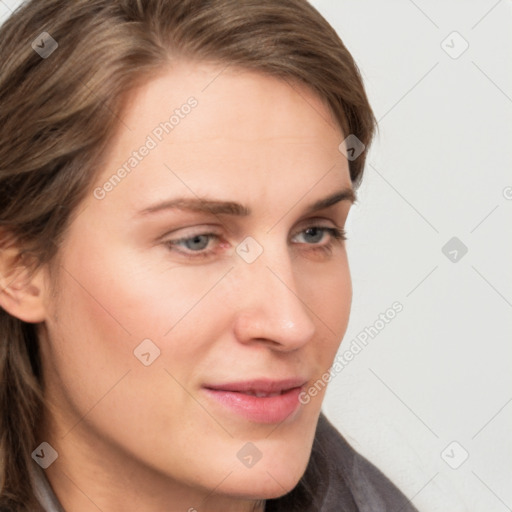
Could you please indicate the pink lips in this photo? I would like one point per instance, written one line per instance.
(262, 400)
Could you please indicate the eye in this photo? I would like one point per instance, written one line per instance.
(314, 235)
(200, 245)
(194, 245)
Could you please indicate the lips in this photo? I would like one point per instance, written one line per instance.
(261, 400)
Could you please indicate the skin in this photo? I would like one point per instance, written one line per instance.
(134, 437)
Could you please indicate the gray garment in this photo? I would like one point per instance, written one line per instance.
(338, 479)
(352, 483)
(43, 490)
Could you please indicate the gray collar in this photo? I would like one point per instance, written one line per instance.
(43, 491)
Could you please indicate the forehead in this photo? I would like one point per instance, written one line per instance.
(230, 94)
(204, 128)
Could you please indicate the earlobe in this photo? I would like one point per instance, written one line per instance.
(21, 291)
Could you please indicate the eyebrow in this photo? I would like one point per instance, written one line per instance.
(232, 208)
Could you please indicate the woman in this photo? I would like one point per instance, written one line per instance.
(175, 178)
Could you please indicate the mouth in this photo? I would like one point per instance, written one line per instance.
(259, 401)
(261, 394)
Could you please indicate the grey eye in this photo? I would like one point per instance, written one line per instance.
(196, 243)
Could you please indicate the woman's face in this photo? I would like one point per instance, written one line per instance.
(176, 308)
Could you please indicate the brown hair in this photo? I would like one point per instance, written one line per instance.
(59, 114)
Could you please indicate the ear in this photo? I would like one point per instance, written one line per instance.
(21, 291)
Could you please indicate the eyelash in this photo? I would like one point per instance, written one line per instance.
(338, 236)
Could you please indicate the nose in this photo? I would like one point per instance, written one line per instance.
(269, 306)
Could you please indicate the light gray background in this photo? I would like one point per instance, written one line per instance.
(441, 370)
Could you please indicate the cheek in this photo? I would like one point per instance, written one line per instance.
(90, 340)
(328, 295)
(123, 294)
(105, 310)
(110, 307)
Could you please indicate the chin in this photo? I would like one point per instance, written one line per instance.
(264, 487)
(266, 480)
(283, 462)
